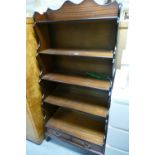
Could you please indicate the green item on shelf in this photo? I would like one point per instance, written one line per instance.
(99, 76)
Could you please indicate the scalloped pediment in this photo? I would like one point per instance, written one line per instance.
(87, 9)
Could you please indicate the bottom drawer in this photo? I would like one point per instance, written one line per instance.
(58, 134)
(76, 141)
(113, 151)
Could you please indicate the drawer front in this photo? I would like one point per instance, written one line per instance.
(113, 151)
(87, 145)
(119, 115)
(76, 141)
(58, 134)
(118, 138)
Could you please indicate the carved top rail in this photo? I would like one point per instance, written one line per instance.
(88, 9)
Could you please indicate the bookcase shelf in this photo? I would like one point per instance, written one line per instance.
(78, 125)
(76, 20)
(79, 81)
(73, 99)
(80, 53)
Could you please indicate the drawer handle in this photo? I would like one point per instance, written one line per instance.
(57, 134)
(87, 146)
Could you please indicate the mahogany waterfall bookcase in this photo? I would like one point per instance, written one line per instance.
(76, 53)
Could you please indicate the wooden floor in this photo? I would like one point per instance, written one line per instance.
(83, 53)
(79, 81)
(78, 125)
(78, 101)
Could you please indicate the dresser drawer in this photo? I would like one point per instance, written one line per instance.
(118, 138)
(76, 141)
(119, 115)
(113, 151)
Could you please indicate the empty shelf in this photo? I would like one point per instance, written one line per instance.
(84, 53)
(114, 17)
(78, 101)
(79, 81)
(77, 125)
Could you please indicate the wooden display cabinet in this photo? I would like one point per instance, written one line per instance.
(76, 52)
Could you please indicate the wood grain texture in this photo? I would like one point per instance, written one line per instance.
(31, 130)
(39, 17)
(83, 53)
(78, 125)
(95, 94)
(73, 99)
(85, 10)
(42, 36)
(79, 81)
(89, 35)
(88, 9)
(97, 149)
(33, 94)
(75, 65)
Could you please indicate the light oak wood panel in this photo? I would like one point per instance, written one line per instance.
(83, 53)
(78, 101)
(78, 125)
(79, 81)
(34, 116)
